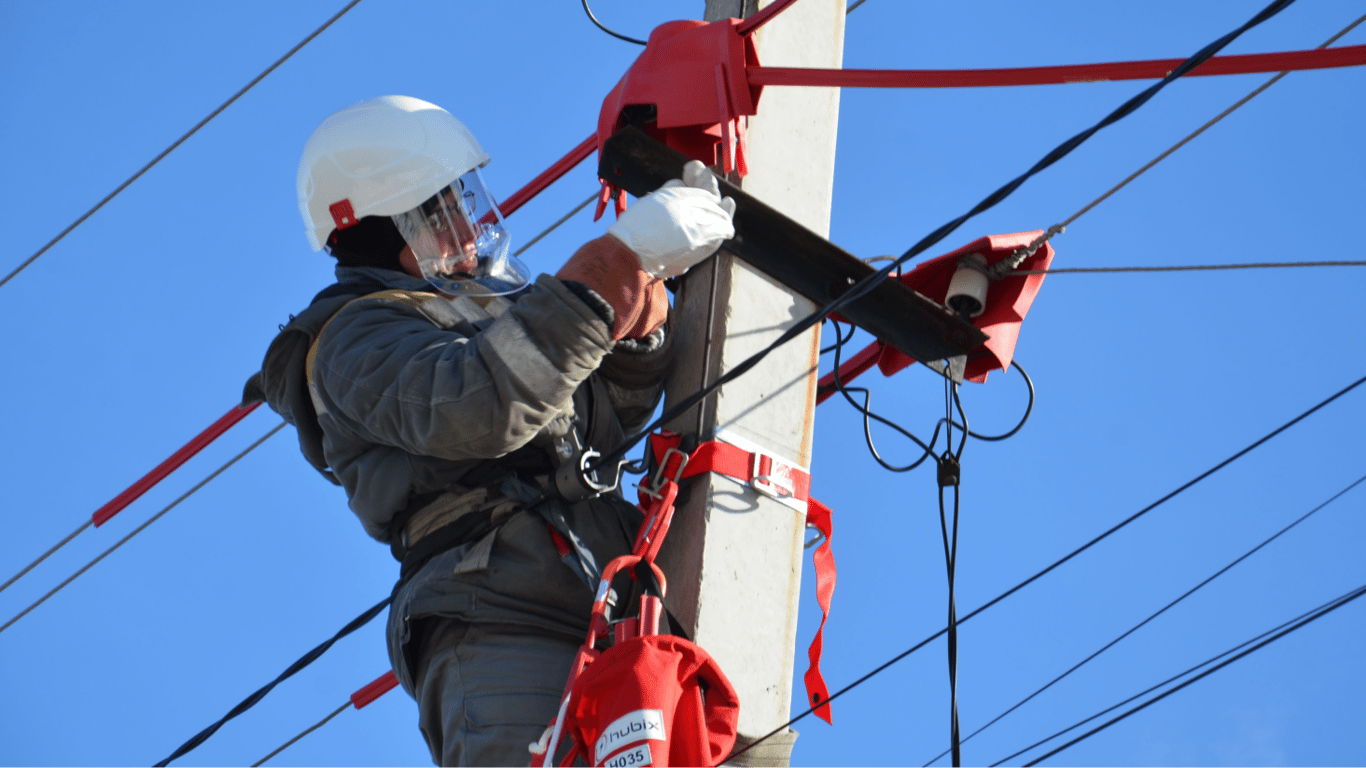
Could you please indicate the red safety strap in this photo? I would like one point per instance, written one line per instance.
(768, 475)
(1243, 64)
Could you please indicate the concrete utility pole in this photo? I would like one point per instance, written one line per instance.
(734, 557)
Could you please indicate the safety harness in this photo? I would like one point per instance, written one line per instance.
(653, 699)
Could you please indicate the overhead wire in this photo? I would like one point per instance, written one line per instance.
(178, 142)
(1058, 228)
(1065, 558)
(142, 527)
(254, 698)
(1315, 616)
(1158, 612)
(1187, 267)
(1188, 671)
(604, 28)
(47, 554)
(302, 734)
(556, 225)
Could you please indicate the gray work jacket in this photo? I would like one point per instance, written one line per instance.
(407, 400)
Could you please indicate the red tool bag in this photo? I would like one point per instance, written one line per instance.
(650, 699)
(654, 700)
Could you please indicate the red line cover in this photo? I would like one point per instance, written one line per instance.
(375, 689)
(1346, 56)
(171, 464)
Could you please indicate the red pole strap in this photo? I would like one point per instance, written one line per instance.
(380, 686)
(550, 175)
(118, 503)
(763, 17)
(1346, 56)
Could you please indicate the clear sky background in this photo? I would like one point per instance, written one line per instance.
(138, 330)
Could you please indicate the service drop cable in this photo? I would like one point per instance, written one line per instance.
(145, 483)
(556, 225)
(1187, 267)
(1040, 574)
(870, 282)
(1345, 599)
(305, 660)
(1157, 613)
(1189, 671)
(140, 528)
(360, 699)
(47, 554)
(1056, 228)
(179, 141)
(304, 733)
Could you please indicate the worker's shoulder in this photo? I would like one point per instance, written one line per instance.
(400, 302)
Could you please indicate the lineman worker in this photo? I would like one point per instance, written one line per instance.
(443, 389)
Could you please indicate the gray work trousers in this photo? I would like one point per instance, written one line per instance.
(484, 694)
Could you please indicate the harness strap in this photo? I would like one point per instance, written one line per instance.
(788, 484)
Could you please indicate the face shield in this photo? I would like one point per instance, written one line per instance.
(461, 246)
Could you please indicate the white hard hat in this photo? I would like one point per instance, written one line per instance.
(393, 156)
(380, 157)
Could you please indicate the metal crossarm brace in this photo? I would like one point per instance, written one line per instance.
(799, 258)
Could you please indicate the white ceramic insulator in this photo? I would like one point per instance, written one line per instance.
(970, 281)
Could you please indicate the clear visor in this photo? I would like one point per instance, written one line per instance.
(458, 238)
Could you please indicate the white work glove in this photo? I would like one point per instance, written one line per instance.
(679, 224)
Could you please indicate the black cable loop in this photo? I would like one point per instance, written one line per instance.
(868, 414)
(839, 339)
(1028, 409)
(618, 36)
(952, 386)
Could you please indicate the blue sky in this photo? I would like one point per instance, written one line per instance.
(138, 329)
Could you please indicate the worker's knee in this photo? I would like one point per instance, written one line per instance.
(485, 695)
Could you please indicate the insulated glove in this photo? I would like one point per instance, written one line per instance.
(611, 269)
(679, 224)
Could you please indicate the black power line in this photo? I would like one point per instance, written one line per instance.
(252, 700)
(1315, 615)
(1065, 558)
(1179, 675)
(1159, 612)
(178, 142)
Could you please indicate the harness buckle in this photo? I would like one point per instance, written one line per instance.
(657, 481)
(772, 476)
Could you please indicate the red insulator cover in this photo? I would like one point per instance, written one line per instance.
(1008, 301)
(694, 75)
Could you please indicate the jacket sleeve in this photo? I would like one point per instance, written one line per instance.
(635, 372)
(385, 372)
